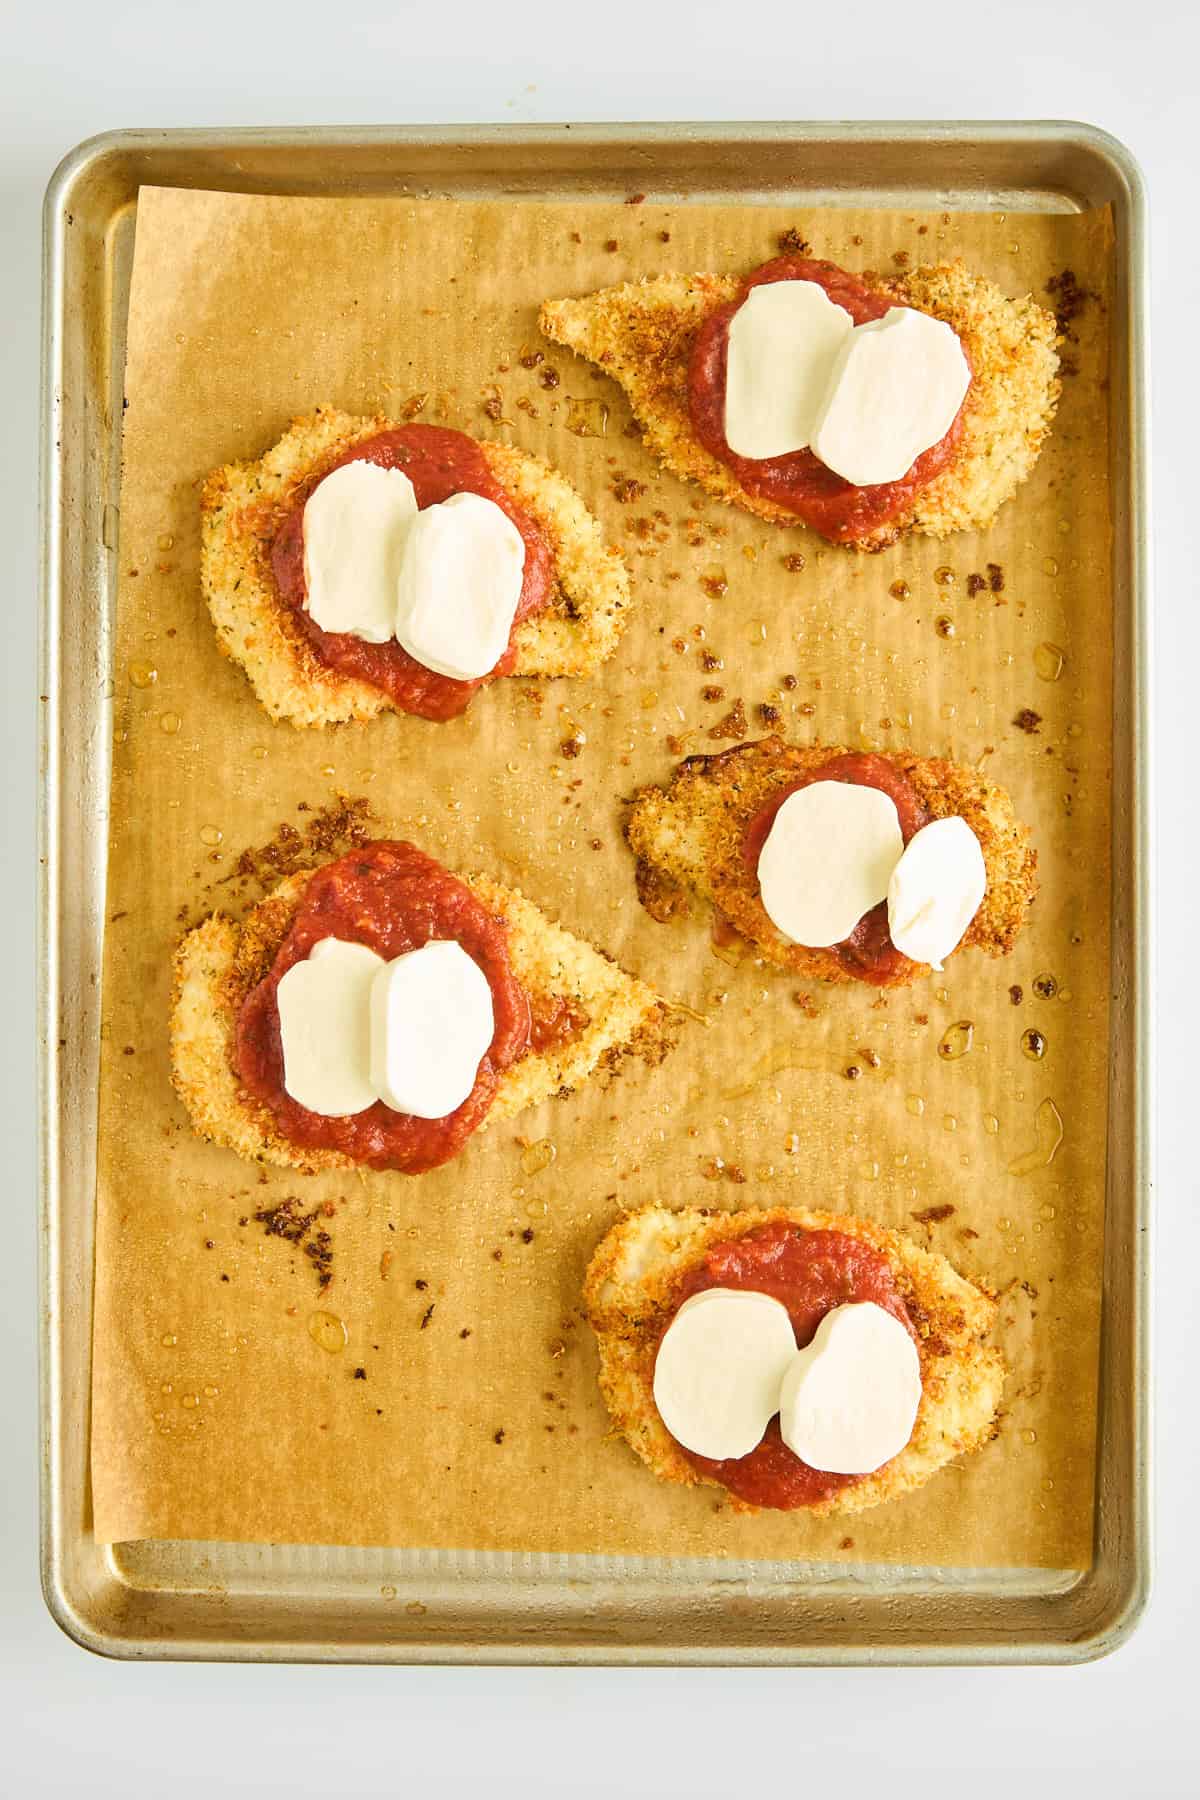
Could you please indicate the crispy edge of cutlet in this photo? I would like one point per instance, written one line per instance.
(629, 1294)
(218, 962)
(687, 838)
(641, 333)
(242, 504)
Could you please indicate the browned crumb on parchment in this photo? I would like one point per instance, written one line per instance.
(343, 824)
(287, 1220)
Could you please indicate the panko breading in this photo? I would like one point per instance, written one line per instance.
(243, 504)
(218, 963)
(688, 836)
(628, 1293)
(642, 332)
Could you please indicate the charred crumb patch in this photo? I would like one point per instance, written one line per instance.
(344, 824)
(1027, 720)
(1069, 300)
(287, 1220)
(792, 243)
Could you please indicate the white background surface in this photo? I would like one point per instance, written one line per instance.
(72, 1724)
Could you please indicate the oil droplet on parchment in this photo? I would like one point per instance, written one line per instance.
(957, 1040)
(1048, 661)
(328, 1331)
(211, 835)
(1048, 1130)
(539, 1156)
(587, 417)
(915, 1105)
(170, 723)
(142, 674)
(1033, 1044)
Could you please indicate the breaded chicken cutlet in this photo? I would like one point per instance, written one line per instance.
(688, 837)
(630, 1296)
(219, 962)
(642, 333)
(244, 504)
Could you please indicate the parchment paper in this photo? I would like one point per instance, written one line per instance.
(463, 1410)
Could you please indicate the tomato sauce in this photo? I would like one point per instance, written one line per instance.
(800, 482)
(868, 953)
(439, 463)
(809, 1272)
(393, 898)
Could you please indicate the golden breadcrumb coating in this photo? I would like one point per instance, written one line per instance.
(642, 332)
(241, 507)
(218, 962)
(628, 1297)
(688, 836)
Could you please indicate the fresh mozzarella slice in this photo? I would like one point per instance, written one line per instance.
(936, 890)
(355, 525)
(894, 391)
(324, 1011)
(849, 1400)
(431, 1023)
(827, 860)
(719, 1366)
(783, 341)
(460, 582)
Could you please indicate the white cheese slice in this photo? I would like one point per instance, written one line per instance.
(936, 890)
(894, 390)
(783, 342)
(431, 1023)
(719, 1366)
(849, 1400)
(356, 523)
(324, 1013)
(827, 860)
(460, 582)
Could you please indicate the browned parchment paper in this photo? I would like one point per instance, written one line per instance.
(463, 1410)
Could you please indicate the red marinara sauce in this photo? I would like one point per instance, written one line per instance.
(439, 463)
(800, 482)
(809, 1272)
(393, 898)
(868, 953)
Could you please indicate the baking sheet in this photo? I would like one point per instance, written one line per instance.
(264, 306)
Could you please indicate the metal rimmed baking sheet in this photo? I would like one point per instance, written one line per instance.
(138, 1596)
